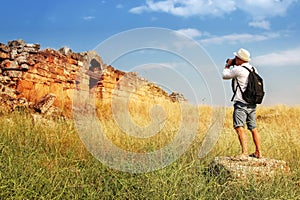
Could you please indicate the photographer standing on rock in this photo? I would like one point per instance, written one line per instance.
(237, 69)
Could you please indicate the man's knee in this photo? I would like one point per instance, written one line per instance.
(239, 129)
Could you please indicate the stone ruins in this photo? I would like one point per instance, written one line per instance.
(28, 75)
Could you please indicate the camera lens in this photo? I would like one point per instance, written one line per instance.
(233, 62)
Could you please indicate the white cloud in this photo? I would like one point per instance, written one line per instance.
(278, 59)
(88, 18)
(190, 32)
(138, 10)
(260, 24)
(187, 8)
(239, 38)
(259, 9)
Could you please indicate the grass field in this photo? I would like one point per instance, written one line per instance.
(47, 160)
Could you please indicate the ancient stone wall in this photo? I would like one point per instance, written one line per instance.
(114, 82)
(27, 74)
(30, 73)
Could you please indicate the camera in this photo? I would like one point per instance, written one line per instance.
(233, 62)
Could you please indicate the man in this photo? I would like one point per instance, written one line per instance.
(244, 113)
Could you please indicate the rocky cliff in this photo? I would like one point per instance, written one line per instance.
(28, 74)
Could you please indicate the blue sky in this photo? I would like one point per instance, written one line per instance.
(269, 29)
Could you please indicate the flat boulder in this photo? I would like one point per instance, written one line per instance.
(232, 167)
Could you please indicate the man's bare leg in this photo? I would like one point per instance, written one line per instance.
(256, 140)
(243, 139)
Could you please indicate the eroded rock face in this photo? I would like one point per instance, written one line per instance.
(261, 168)
(27, 74)
(30, 73)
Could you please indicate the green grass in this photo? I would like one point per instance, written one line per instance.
(49, 161)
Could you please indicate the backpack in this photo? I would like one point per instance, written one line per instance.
(254, 92)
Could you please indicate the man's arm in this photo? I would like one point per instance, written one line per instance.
(228, 73)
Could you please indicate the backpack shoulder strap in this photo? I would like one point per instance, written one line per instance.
(253, 70)
(234, 90)
(238, 86)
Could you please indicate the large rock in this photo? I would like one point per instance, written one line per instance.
(45, 103)
(262, 168)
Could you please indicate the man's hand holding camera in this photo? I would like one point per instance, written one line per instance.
(230, 62)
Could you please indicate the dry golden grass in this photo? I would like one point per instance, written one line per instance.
(279, 128)
(158, 122)
(48, 160)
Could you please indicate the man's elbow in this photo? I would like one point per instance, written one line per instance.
(226, 77)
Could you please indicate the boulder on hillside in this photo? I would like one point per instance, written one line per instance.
(44, 103)
(262, 168)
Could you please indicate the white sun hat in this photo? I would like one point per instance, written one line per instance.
(243, 54)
